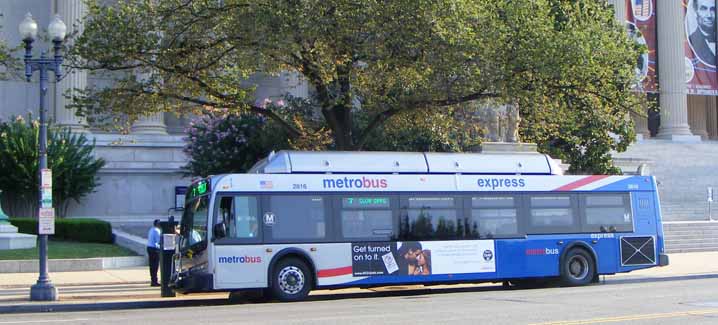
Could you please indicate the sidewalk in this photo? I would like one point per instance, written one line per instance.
(134, 275)
(129, 288)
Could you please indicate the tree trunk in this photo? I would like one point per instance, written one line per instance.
(339, 119)
(19, 205)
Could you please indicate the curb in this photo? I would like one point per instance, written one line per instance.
(71, 265)
(102, 306)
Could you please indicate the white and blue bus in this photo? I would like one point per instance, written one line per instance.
(309, 220)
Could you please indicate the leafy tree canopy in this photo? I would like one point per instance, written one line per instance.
(377, 59)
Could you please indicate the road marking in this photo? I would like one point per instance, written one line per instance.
(630, 318)
(45, 321)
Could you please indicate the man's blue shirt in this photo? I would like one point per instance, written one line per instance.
(153, 238)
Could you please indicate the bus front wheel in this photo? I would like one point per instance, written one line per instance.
(291, 280)
(577, 268)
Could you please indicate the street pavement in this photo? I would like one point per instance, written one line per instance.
(129, 288)
(676, 301)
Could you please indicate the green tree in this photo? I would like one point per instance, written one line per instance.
(577, 121)
(69, 155)
(450, 130)
(7, 62)
(366, 61)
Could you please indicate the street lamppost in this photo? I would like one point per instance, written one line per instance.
(44, 289)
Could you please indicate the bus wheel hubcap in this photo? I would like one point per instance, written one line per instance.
(291, 280)
(578, 267)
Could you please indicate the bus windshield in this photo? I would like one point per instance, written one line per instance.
(194, 220)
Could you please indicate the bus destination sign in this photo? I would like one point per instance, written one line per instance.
(365, 202)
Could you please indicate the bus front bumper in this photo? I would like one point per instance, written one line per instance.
(187, 282)
(662, 259)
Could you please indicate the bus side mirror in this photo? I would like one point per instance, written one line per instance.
(220, 231)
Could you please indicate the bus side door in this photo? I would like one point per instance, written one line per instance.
(240, 259)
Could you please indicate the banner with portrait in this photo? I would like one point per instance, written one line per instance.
(641, 24)
(700, 47)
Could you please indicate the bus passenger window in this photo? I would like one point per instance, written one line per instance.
(495, 217)
(552, 214)
(366, 218)
(425, 218)
(607, 212)
(297, 217)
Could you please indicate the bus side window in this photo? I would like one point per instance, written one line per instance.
(552, 213)
(367, 218)
(430, 217)
(607, 212)
(299, 218)
(245, 212)
(496, 217)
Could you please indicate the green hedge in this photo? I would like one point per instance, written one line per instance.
(83, 230)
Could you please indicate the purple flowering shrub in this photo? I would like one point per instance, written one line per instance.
(220, 142)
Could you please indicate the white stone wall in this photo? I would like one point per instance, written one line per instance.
(139, 178)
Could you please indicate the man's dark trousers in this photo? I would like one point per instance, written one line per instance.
(154, 256)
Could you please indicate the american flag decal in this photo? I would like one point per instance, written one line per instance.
(266, 184)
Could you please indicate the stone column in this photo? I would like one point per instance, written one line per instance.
(153, 123)
(711, 117)
(150, 124)
(671, 79)
(619, 10)
(641, 124)
(697, 115)
(71, 12)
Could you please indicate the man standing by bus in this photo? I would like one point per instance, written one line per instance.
(153, 251)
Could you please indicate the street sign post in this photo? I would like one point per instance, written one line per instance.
(710, 201)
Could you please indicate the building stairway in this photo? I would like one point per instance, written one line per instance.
(682, 237)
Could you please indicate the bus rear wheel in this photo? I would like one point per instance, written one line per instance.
(291, 280)
(577, 268)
